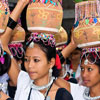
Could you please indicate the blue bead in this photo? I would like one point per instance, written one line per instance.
(4, 53)
(46, 1)
(95, 20)
(6, 13)
(33, 0)
(76, 24)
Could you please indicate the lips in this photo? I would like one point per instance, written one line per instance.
(85, 82)
(32, 73)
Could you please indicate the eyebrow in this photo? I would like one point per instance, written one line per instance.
(32, 56)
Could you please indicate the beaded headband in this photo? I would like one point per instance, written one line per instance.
(47, 39)
(54, 2)
(2, 53)
(16, 49)
(94, 51)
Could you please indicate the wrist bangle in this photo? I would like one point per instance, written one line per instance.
(11, 23)
(62, 59)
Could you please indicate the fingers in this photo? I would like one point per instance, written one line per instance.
(3, 96)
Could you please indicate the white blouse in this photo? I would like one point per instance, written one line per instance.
(77, 91)
(23, 88)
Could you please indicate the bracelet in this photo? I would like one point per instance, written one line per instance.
(11, 23)
(62, 59)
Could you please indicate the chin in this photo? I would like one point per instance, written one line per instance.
(32, 77)
(87, 85)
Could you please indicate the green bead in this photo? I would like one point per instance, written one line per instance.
(87, 21)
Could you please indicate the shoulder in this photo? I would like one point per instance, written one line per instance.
(62, 83)
(77, 89)
(23, 78)
(62, 94)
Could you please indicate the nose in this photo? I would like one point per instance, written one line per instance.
(31, 64)
(84, 74)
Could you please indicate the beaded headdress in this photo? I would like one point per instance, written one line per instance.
(94, 51)
(54, 2)
(47, 39)
(16, 49)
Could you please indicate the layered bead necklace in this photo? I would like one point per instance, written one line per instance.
(33, 86)
(87, 97)
(48, 87)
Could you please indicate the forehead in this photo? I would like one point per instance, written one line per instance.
(34, 51)
(88, 64)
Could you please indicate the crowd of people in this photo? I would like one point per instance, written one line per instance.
(39, 76)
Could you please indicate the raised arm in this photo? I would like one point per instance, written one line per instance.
(69, 48)
(5, 38)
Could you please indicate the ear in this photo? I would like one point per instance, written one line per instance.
(52, 62)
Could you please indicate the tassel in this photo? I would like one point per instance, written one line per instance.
(43, 1)
(33, 0)
(46, 1)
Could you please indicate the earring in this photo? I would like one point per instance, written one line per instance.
(50, 72)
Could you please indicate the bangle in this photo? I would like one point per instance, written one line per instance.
(11, 23)
(62, 59)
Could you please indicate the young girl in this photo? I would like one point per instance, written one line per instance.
(90, 72)
(38, 83)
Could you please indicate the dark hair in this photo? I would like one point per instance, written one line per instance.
(50, 53)
(7, 63)
(93, 58)
(78, 49)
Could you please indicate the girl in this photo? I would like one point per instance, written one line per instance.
(90, 72)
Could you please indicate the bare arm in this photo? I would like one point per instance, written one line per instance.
(63, 83)
(69, 48)
(5, 38)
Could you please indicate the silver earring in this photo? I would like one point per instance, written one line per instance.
(50, 72)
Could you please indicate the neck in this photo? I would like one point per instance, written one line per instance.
(75, 65)
(95, 90)
(42, 81)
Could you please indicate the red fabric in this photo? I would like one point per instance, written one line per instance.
(66, 78)
(58, 63)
